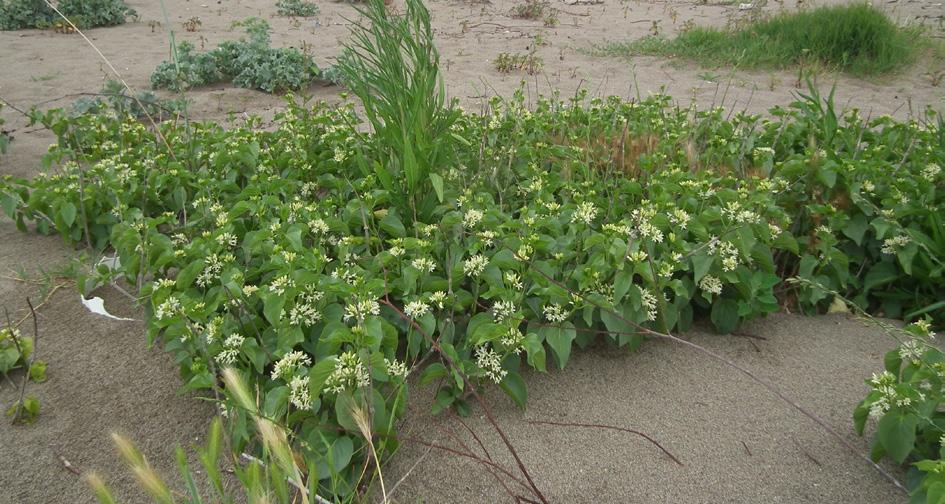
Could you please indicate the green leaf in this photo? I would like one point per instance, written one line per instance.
(535, 352)
(724, 315)
(623, 280)
(896, 432)
(393, 226)
(880, 274)
(701, 263)
(272, 307)
(514, 386)
(437, 181)
(67, 212)
(856, 228)
(559, 339)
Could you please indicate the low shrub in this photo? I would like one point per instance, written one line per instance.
(282, 253)
(857, 38)
(249, 62)
(296, 8)
(20, 14)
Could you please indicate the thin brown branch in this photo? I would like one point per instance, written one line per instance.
(612, 427)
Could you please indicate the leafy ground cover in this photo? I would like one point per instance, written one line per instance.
(249, 62)
(20, 14)
(326, 264)
(857, 38)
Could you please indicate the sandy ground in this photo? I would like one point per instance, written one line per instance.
(738, 443)
(103, 378)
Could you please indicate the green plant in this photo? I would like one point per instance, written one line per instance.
(92, 13)
(327, 261)
(20, 14)
(249, 62)
(393, 67)
(277, 476)
(296, 8)
(114, 96)
(856, 38)
(529, 63)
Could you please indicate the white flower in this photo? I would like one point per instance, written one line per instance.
(304, 314)
(360, 309)
(169, 308)
(471, 218)
(424, 264)
(437, 298)
(892, 245)
(711, 284)
(349, 374)
(233, 341)
(513, 340)
(227, 357)
(586, 212)
(924, 328)
(513, 280)
(318, 226)
(503, 310)
(910, 350)
(475, 265)
(416, 309)
(490, 362)
(289, 363)
(931, 171)
(554, 313)
(648, 301)
(280, 284)
(396, 251)
(396, 368)
(680, 218)
(299, 394)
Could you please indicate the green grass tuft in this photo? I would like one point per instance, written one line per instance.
(856, 38)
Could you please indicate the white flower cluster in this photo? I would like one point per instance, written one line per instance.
(644, 227)
(503, 310)
(555, 313)
(711, 284)
(416, 309)
(471, 218)
(727, 251)
(648, 300)
(931, 171)
(280, 284)
(289, 363)
(490, 362)
(680, 218)
(318, 226)
(438, 298)
(513, 280)
(349, 373)
(231, 350)
(892, 245)
(299, 394)
(305, 311)
(396, 368)
(923, 327)
(360, 309)
(513, 340)
(911, 351)
(167, 309)
(475, 265)
(211, 272)
(885, 384)
(734, 211)
(586, 212)
(487, 237)
(424, 264)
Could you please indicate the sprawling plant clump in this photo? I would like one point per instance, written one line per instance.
(20, 14)
(250, 63)
(281, 252)
(326, 264)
